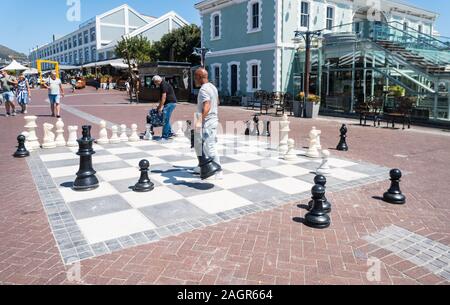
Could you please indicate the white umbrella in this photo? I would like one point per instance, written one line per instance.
(15, 66)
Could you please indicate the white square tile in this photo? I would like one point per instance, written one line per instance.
(119, 174)
(104, 189)
(141, 143)
(114, 225)
(245, 157)
(159, 195)
(188, 163)
(152, 160)
(97, 147)
(164, 152)
(233, 180)
(346, 175)
(290, 185)
(59, 157)
(250, 149)
(218, 201)
(64, 171)
(340, 163)
(105, 159)
(124, 150)
(239, 167)
(290, 170)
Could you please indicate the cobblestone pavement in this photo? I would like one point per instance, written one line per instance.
(409, 243)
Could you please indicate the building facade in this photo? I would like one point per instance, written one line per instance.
(96, 38)
(254, 48)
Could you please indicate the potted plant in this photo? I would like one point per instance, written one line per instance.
(312, 106)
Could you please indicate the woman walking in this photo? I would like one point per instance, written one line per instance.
(23, 93)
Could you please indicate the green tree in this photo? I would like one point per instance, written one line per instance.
(178, 45)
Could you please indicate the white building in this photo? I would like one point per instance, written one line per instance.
(96, 38)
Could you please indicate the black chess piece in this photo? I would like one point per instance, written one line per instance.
(394, 194)
(144, 184)
(256, 121)
(21, 151)
(247, 129)
(86, 179)
(266, 132)
(317, 217)
(208, 167)
(321, 180)
(342, 146)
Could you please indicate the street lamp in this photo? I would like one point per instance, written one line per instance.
(307, 36)
(202, 53)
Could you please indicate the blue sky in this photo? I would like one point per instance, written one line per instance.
(39, 20)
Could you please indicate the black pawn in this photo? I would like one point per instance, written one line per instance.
(86, 179)
(394, 194)
(317, 217)
(21, 151)
(144, 184)
(321, 180)
(247, 129)
(342, 146)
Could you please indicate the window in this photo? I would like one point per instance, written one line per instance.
(215, 26)
(86, 54)
(70, 43)
(80, 56)
(93, 53)
(74, 41)
(420, 29)
(65, 45)
(93, 36)
(254, 15)
(70, 58)
(61, 46)
(65, 58)
(304, 14)
(86, 37)
(330, 18)
(217, 75)
(255, 77)
(405, 26)
(80, 39)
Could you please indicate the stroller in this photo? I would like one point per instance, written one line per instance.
(155, 119)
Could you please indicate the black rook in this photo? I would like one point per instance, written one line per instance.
(86, 179)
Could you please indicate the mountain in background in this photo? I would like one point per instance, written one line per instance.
(7, 53)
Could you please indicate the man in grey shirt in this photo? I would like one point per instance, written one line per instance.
(207, 112)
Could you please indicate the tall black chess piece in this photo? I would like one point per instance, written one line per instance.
(317, 217)
(86, 179)
(266, 132)
(342, 146)
(247, 128)
(21, 151)
(208, 167)
(394, 194)
(256, 121)
(144, 184)
(321, 180)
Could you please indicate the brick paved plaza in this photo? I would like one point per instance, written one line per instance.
(43, 229)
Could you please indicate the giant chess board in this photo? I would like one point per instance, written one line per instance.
(113, 217)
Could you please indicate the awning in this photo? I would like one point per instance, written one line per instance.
(31, 71)
(65, 67)
(115, 63)
(15, 66)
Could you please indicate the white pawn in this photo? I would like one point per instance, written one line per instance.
(313, 152)
(123, 133)
(324, 168)
(49, 137)
(134, 134)
(103, 135)
(114, 137)
(60, 141)
(291, 155)
(72, 140)
(148, 133)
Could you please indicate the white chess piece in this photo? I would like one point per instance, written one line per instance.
(284, 135)
(33, 142)
(324, 168)
(114, 137)
(49, 137)
(316, 134)
(27, 142)
(103, 135)
(178, 126)
(72, 140)
(291, 155)
(123, 133)
(148, 133)
(60, 141)
(313, 152)
(134, 134)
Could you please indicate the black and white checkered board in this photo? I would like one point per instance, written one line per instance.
(114, 217)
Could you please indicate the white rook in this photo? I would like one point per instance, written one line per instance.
(72, 140)
(33, 142)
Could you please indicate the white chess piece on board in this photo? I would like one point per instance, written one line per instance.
(284, 135)
(33, 142)
(103, 134)
(60, 141)
(324, 168)
(123, 133)
(134, 134)
(72, 140)
(148, 133)
(313, 152)
(114, 137)
(291, 155)
(49, 137)
(178, 126)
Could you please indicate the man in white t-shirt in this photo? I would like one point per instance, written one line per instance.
(207, 115)
(55, 92)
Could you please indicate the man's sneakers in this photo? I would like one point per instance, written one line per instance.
(13, 113)
(7, 114)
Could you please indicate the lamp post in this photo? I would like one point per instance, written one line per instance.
(307, 36)
(202, 53)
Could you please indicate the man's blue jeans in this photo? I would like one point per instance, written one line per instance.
(167, 111)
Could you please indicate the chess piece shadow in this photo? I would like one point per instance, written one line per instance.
(68, 184)
(303, 206)
(377, 198)
(299, 220)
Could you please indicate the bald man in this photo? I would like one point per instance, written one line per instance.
(208, 115)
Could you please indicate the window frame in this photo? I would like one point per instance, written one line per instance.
(215, 15)
(219, 68)
(251, 78)
(329, 21)
(251, 16)
(305, 15)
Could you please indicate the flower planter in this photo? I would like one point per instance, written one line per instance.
(312, 110)
(298, 108)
